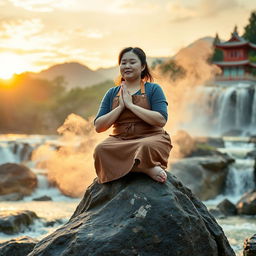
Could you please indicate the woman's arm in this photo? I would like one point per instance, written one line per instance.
(104, 122)
(149, 116)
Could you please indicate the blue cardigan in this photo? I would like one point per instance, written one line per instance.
(155, 95)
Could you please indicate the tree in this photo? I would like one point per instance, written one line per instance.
(250, 29)
(172, 69)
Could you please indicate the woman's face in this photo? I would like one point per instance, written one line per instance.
(130, 66)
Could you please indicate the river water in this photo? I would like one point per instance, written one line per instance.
(17, 149)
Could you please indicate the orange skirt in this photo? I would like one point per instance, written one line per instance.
(114, 157)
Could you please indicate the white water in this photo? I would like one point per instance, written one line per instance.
(239, 180)
(222, 109)
(59, 209)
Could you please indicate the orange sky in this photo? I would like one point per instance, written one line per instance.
(35, 34)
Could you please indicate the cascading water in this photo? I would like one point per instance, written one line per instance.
(224, 109)
(253, 119)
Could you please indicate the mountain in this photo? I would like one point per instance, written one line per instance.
(78, 75)
(74, 74)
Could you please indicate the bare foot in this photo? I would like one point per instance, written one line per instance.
(157, 173)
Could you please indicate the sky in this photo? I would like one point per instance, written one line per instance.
(36, 34)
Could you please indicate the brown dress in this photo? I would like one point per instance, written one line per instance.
(132, 140)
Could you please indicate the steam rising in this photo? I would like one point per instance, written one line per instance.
(182, 95)
(70, 164)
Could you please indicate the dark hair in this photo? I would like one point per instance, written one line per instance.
(145, 74)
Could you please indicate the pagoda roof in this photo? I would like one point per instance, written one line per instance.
(231, 44)
(235, 41)
(235, 63)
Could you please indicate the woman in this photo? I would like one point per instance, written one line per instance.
(137, 109)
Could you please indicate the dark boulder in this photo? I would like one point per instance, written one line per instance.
(251, 154)
(17, 247)
(43, 198)
(136, 215)
(247, 204)
(16, 178)
(227, 208)
(250, 246)
(12, 222)
(217, 213)
(205, 176)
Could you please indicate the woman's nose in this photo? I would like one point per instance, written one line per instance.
(127, 64)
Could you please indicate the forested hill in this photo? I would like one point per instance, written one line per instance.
(36, 106)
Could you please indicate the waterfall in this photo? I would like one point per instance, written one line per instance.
(253, 120)
(217, 110)
(225, 108)
(7, 155)
(242, 107)
(240, 178)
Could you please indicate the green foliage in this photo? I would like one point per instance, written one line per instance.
(172, 69)
(30, 105)
(205, 146)
(250, 29)
(155, 63)
(217, 55)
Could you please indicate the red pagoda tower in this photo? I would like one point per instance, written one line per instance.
(233, 59)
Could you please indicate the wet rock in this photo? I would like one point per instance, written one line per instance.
(16, 178)
(205, 176)
(250, 246)
(11, 197)
(227, 207)
(197, 146)
(136, 215)
(17, 247)
(217, 142)
(253, 139)
(217, 213)
(206, 146)
(42, 198)
(12, 222)
(251, 154)
(247, 204)
(51, 223)
(233, 132)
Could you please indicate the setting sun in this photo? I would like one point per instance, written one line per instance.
(12, 63)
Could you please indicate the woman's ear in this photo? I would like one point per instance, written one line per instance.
(143, 68)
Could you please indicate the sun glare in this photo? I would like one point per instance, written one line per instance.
(11, 64)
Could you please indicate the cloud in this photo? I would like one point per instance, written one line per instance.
(41, 5)
(204, 8)
(141, 6)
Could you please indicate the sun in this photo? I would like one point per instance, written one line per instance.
(10, 64)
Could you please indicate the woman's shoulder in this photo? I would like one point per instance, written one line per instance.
(113, 90)
(151, 87)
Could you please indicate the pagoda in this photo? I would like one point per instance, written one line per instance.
(233, 57)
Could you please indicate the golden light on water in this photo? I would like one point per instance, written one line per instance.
(11, 64)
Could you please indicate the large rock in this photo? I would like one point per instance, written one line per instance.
(189, 146)
(16, 178)
(136, 215)
(247, 204)
(12, 222)
(17, 247)
(227, 208)
(205, 176)
(250, 246)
